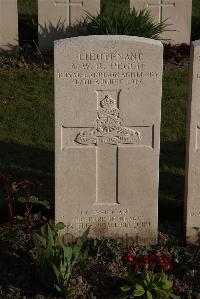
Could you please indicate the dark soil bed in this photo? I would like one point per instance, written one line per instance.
(104, 271)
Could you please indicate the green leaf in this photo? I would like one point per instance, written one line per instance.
(125, 295)
(83, 237)
(20, 218)
(138, 290)
(168, 284)
(125, 22)
(76, 251)
(149, 295)
(132, 276)
(67, 251)
(44, 230)
(58, 288)
(57, 256)
(174, 296)
(125, 288)
(50, 234)
(21, 199)
(44, 203)
(14, 186)
(33, 200)
(162, 293)
(41, 239)
(149, 276)
(163, 280)
(56, 271)
(60, 226)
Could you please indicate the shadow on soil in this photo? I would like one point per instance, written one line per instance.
(28, 36)
(50, 32)
(172, 181)
(25, 162)
(21, 161)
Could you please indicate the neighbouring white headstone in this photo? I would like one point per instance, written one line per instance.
(177, 13)
(192, 193)
(107, 123)
(56, 16)
(8, 24)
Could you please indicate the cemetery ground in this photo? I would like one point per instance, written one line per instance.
(27, 153)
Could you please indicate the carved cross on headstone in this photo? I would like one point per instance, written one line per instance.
(68, 4)
(161, 6)
(107, 136)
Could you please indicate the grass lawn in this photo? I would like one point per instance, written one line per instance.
(173, 129)
(27, 129)
(27, 121)
(27, 126)
(196, 20)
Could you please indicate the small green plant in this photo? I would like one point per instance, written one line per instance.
(56, 259)
(187, 259)
(24, 191)
(146, 278)
(107, 249)
(125, 22)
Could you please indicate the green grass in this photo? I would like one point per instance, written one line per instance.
(173, 135)
(27, 7)
(174, 105)
(27, 134)
(26, 126)
(110, 4)
(29, 110)
(196, 8)
(196, 20)
(27, 10)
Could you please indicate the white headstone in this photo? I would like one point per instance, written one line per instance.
(107, 122)
(8, 24)
(192, 194)
(177, 14)
(56, 16)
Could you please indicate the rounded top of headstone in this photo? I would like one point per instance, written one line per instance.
(114, 38)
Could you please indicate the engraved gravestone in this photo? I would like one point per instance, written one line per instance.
(177, 14)
(8, 24)
(192, 193)
(56, 16)
(107, 120)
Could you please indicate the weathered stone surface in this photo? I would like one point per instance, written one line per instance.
(8, 24)
(177, 14)
(107, 122)
(56, 16)
(192, 192)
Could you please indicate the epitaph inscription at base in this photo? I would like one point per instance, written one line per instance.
(107, 111)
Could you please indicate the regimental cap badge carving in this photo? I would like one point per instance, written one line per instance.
(107, 102)
(109, 126)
